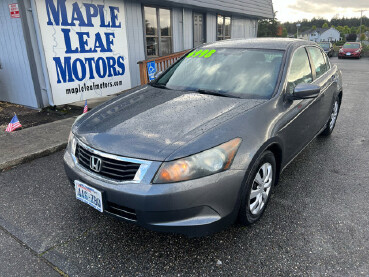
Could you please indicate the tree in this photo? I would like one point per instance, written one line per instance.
(268, 27)
(362, 37)
(363, 28)
(343, 24)
(341, 30)
(332, 26)
(351, 37)
(346, 30)
(325, 25)
(353, 30)
(314, 27)
(284, 33)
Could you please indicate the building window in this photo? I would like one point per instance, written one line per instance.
(223, 27)
(158, 31)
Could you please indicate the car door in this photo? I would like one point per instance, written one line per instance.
(325, 79)
(299, 121)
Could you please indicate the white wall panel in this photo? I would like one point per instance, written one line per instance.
(211, 25)
(187, 29)
(243, 28)
(135, 36)
(177, 20)
(16, 83)
(258, 8)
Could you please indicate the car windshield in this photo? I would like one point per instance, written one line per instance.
(351, 46)
(244, 73)
(325, 46)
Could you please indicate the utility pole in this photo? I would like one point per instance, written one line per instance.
(297, 26)
(361, 21)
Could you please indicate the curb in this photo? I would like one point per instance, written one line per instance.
(34, 142)
(27, 158)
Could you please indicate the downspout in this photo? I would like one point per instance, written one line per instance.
(256, 28)
(183, 34)
(30, 51)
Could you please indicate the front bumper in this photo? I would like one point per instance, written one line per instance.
(194, 208)
(351, 55)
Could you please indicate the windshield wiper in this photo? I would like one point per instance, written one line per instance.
(159, 85)
(213, 92)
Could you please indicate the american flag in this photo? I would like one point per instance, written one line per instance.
(85, 109)
(14, 124)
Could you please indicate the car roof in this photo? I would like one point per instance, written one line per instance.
(261, 43)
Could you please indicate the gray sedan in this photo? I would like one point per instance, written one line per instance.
(205, 143)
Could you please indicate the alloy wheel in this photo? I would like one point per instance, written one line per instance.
(334, 115)
(261, 188)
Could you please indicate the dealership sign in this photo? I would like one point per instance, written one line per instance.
(85, 47)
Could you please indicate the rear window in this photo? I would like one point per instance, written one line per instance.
(324, 45)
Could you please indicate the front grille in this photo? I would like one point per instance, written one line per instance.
(121, 211)
(111, 168)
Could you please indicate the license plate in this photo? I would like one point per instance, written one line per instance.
(348, 54)
(88, 195)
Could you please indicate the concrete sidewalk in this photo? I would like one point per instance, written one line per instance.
(31, 143)
(34, 142)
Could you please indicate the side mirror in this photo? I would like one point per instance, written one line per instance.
(157, 74)
(305, 91)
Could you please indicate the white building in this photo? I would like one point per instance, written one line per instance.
(54, 52)
(321, 34)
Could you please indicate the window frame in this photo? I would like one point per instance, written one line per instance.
(223, 27)
(289, 68)
(312, 65)
(158, 36)
(327, 61)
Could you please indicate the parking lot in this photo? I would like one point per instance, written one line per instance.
(316, 223)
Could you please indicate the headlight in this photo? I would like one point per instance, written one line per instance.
(72, 143)
(199, 165)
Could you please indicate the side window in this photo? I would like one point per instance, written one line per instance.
(318, 60)
(300, 71)
(327, 62)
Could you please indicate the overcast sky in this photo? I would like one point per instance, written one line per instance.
(295, 10)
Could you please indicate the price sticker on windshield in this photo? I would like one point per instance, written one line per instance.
(206, 53)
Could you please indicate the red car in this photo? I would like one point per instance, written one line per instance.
(350, 50)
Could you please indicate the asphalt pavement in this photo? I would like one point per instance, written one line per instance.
(316, 223)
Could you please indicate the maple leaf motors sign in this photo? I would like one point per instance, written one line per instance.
(85, 46)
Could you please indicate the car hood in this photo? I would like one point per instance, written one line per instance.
(151, 123)
(350, 49)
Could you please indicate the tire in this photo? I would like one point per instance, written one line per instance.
(332, 119)
(264, 170)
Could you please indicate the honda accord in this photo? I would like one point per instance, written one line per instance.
(203, 145)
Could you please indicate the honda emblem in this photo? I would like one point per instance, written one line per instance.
(95, 164)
